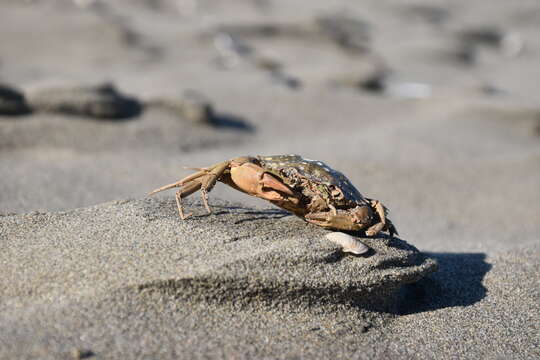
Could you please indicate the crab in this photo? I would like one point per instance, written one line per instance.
(307, 188)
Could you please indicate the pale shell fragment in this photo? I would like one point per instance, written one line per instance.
(348, 243)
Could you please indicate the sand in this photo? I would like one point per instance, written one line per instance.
(431, 108)
(269, 265)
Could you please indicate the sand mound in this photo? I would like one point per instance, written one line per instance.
(138, 252)
(267, 255)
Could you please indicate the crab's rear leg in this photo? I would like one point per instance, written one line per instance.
(203, 180)
(185, 192)
(209, 180)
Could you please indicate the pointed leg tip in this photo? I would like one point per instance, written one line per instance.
(184, 217)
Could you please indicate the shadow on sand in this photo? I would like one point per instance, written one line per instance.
(458, 282)
(228, 121)
(261, 214)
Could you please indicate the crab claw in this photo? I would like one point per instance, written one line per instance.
(350, 220)
(384, 224)
(254, 180)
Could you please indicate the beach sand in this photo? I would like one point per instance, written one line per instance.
(431, 108)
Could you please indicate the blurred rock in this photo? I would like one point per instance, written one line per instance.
(381, 82)
(101, 101)
(349, 33)
(429, 13)
(258, 30)
(191, 106)
(12, 102)
(265, 63)
(473, 41)
(377, 82)
(287, 80)
(196, 108)
(373, 80)
(492, 90)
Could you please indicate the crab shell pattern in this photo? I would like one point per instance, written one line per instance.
(307, 188)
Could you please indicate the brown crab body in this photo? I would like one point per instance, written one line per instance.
(310, 189)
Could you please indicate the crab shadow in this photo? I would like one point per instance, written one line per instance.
(254, 215)
(458, 282)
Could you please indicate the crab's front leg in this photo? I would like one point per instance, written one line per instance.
(203, 180)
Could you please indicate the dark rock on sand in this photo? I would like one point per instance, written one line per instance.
(377, 82)
(287, 80)
(192, 106)
(350, 33)
(260, 30)
(197, 109)
(473, 42)
(156, 128)
(103, 101)
(435, 15)
(12, 102)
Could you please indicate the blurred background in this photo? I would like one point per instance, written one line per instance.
(429, 106)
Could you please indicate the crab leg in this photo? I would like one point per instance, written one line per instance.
(203, 180)
(379, 209)
(179, 182)
(384, 224)
(179, 205)
(208, 181)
